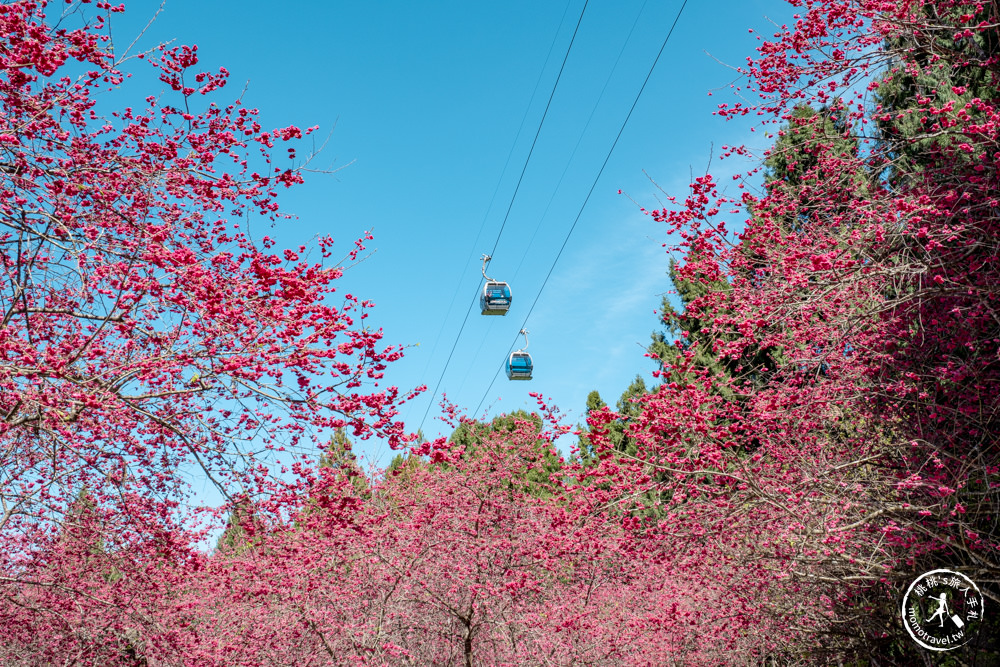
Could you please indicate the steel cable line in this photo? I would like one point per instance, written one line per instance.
(534, 141)
(583, 132)
(565, 170)
(587, 198)
(540, 123)
(489, 207)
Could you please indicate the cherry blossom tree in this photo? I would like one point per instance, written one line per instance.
(864, 451)
(824, 430)
(452, 559)
(149, 332)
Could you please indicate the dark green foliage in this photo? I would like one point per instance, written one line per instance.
(810, 138)
(585, 452)
(937, 69)
(687, 335)
(690, 346)
(404, 465)
(340, 458)
(337, 460)
(475, 440)
(235, 539)
(628, 410)
(687, 349)
(471, 434)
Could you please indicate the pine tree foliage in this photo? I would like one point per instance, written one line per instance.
(477, 439)
(340, 458)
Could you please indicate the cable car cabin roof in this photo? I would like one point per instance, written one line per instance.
(519, 366)
(495, 299)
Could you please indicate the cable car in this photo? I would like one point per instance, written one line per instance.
(519, 365)
(495, 298)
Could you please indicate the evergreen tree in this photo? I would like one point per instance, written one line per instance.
(685, 334)
(627, 409)
(689, 347)
(474, 437)
(404, 465)
(939, 67)
(804, 146)
(235, 539)
(340, 458)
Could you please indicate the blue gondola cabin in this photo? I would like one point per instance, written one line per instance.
(519, 366)
(495, 299)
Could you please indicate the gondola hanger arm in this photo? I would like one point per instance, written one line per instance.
(486, 259)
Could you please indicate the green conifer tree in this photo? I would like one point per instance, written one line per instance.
(473, 437)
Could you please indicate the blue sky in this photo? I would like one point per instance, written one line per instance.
(422, 104)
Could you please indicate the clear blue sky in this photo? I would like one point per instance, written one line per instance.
(422, 103)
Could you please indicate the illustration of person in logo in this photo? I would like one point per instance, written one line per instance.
(941, 610)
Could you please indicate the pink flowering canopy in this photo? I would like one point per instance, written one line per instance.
(823, 431)
(146, 335)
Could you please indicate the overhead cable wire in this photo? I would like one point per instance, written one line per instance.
(448, 361)
(589, 193)
(565, 170)
(534, 141)
(583, 132)
(489, 207)
(540, 123)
